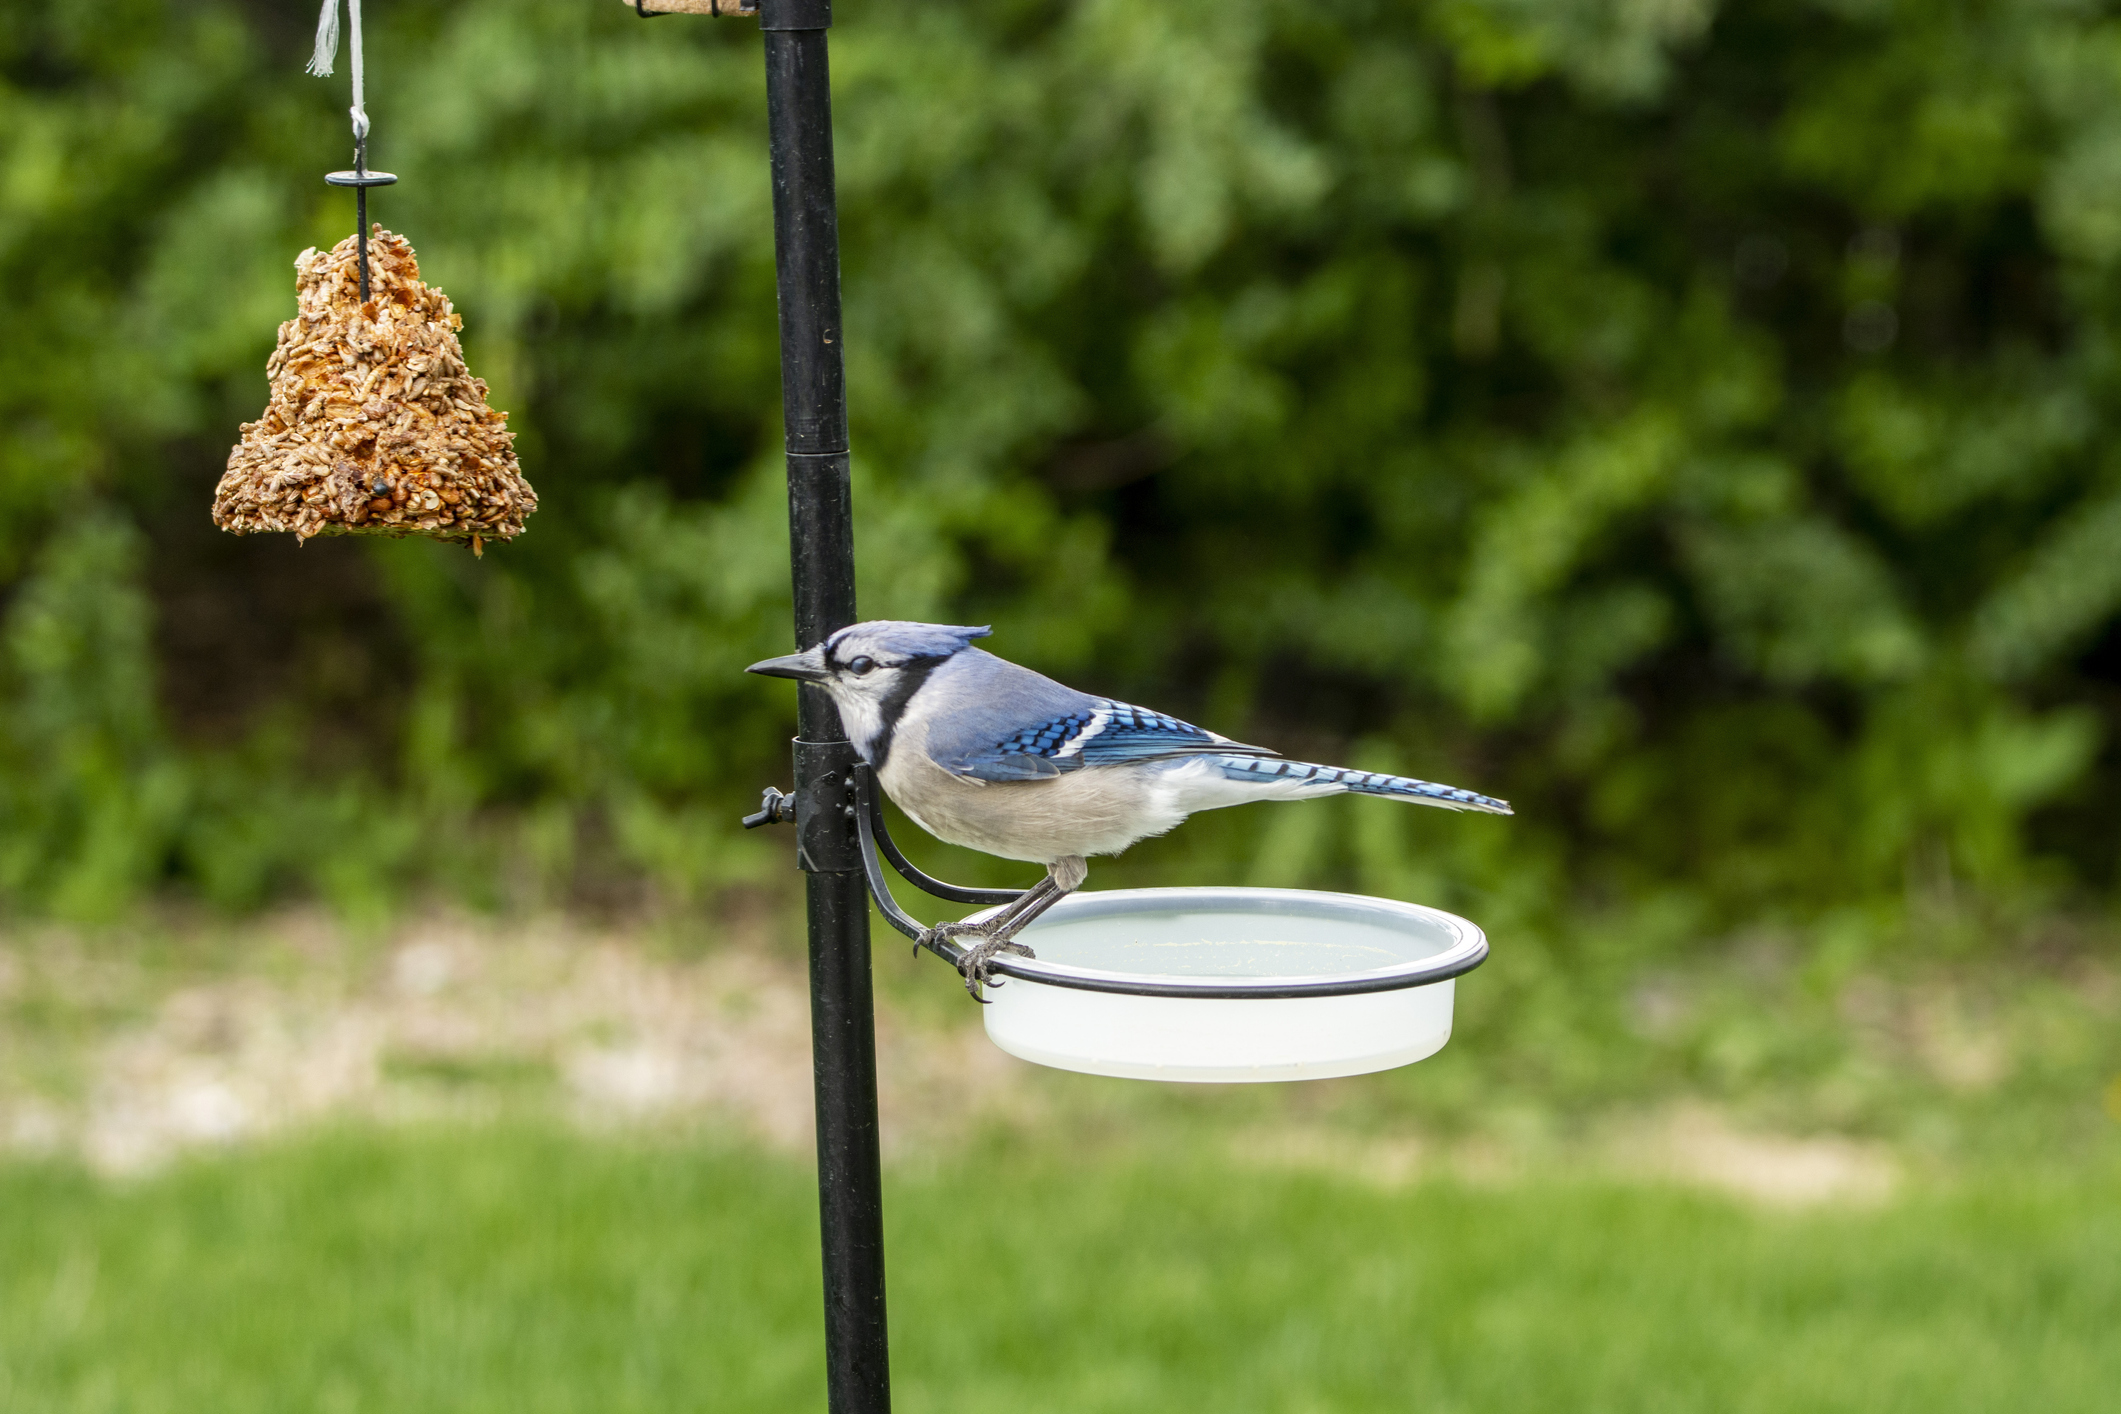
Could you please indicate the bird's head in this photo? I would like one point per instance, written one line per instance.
(872, 669)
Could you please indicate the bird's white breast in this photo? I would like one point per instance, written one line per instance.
(1096, 810)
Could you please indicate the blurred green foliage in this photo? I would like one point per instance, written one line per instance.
(1688, 420)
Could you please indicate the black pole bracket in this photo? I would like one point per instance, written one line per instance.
(825, 840)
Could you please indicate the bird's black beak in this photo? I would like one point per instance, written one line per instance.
(803, 667)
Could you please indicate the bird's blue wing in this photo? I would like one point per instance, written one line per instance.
(1099, 733)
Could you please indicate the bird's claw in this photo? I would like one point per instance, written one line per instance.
(976, 960)
(973, 963)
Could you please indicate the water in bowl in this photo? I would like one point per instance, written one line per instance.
(1234, 942)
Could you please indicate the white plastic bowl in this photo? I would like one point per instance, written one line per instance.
(1232, 985)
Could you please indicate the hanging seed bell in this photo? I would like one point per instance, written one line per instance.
(375, 426)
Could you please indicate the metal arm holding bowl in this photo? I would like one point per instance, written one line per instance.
(866, 805)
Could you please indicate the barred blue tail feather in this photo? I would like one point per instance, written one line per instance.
(1276, 772)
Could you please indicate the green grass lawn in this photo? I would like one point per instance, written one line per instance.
(526, 1270)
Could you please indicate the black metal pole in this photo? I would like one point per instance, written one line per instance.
(821, 552)
(361, 227)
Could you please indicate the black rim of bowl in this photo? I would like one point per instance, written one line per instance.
(1462, 957)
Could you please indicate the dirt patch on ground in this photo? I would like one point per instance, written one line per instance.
(1692, 1145)
(126, 1056)
(1697, 1145)
(454, 1020)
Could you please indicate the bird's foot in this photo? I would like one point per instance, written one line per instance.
(933, 938)
(974, 963)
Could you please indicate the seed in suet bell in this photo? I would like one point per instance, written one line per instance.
(374, 426)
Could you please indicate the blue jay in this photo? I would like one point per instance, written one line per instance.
(985, 754)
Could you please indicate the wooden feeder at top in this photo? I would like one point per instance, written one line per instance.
(375, 426)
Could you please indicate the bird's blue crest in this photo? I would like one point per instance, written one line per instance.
(902, 638)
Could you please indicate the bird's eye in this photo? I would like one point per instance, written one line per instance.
(861, 665)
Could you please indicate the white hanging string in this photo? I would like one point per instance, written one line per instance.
(326, 54)
(327, 50)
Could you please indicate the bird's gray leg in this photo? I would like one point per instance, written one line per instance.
(998, 935)
(1009, 912)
